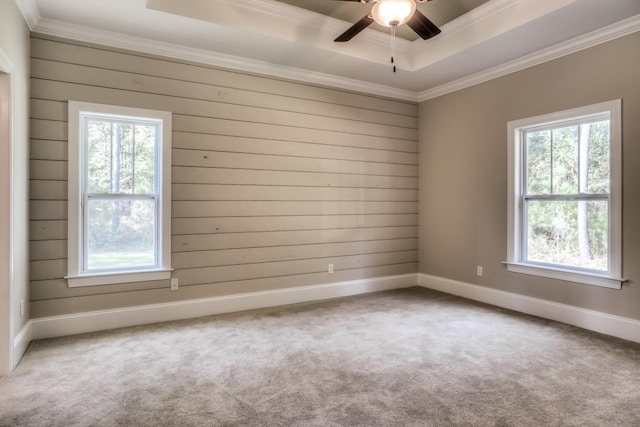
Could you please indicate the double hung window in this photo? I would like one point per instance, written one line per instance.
(564, 195)
(119, 194)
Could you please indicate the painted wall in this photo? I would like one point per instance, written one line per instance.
(272, 180)
(463, 171)
(14, 41)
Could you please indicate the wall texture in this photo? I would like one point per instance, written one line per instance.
(14, 41)
(272, 180)
(463, 171)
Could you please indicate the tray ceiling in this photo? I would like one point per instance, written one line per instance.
(480, 39)
(438, 11)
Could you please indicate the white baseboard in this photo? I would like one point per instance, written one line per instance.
(49, 327)
(21, 342)
(56, 326)
(621, 327)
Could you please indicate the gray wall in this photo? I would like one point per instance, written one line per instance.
(14, 41)
(463, 171)
(272, 180)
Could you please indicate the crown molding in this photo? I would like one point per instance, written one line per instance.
(594, 38)
(121, 41)
(29, 10)
(473, 17)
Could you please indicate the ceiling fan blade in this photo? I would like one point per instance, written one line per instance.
(422, 26)
(354, 29)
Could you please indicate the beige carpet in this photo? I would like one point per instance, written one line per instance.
(409, 357)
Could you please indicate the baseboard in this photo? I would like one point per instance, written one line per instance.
(49, 327)
(21, 342)
(617, 326)
(55, 326)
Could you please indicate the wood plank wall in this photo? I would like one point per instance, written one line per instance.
(271, 180)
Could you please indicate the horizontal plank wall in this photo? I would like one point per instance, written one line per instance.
(271, 180)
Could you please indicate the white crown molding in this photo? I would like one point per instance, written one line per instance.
(464, 22)
(29, 10)
(122, 41)
(594, 38)
(55, 326)
(617, 326)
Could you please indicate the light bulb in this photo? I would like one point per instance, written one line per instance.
(392, 13)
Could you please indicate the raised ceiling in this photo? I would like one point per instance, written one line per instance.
(289, 40)
(438, 11)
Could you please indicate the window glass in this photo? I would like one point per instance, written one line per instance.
(564, 160)
(120, 233)
(99, 156)
(145, 159)
(570, 233)
(598, 152)
(538, 165)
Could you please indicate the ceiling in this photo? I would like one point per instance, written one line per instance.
(293, 39)
(439, 12)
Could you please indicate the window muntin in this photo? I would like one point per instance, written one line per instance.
(119, 194)
(564, 195)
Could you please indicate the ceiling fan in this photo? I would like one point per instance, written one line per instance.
(393, 13)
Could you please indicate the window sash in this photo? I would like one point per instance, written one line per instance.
(85, 118)
(157, 254)
(527, 197)
(524, 220)
(594, 118)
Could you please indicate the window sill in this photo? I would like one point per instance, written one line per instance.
(119, 277)
(567, 275)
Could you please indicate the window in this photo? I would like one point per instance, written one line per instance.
(119, 194)
(564, 195)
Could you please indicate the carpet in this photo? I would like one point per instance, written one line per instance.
(408, 357)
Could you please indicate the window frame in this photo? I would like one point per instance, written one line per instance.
(516, 222)
(77, 197)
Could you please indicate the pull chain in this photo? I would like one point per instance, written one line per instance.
(393, 46)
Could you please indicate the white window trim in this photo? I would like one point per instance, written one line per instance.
(514, 195)
(75, 277)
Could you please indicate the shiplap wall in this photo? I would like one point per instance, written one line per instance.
(271, 180)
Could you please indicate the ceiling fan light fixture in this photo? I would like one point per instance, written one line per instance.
(393, 13)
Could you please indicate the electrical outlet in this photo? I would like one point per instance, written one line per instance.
(21, 308)
(479, 271)
(330, 268)
(174, 284)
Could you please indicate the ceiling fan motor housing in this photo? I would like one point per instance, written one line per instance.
(392, 13)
